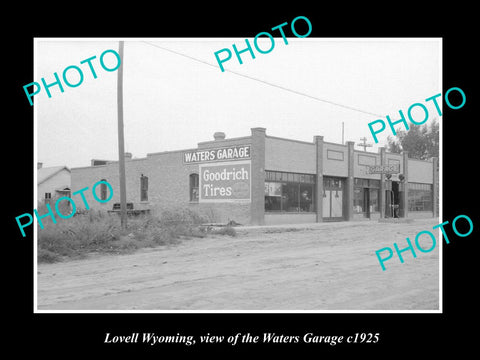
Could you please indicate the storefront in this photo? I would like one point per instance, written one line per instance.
(262, 179)
(333, 200)
(366, 198)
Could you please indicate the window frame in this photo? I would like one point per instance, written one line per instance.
(296, 183)
(143, 188)
(416, 200)
(103, 190)
(194, 179)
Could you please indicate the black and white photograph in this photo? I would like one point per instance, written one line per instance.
(252, 180)
(224, 180)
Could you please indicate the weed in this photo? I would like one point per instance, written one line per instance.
(226, 230)
(96, 231)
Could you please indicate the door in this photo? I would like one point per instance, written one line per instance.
(366, 203)
(332, 205)
(392, 200)
(333, 198)
(388, 204)
(337, 203)
(395, 199)
(327, 201)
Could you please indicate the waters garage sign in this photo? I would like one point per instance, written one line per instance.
(225, 182)
(236, 152)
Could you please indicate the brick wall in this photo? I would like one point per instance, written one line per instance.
(168, 187)
(87, 177)
(335, 160)
(289, 155)
(420, 171)
(169, 177)
(361, 160)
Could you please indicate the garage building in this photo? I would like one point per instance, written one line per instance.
(262, 179)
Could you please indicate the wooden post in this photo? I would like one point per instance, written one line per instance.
(121, 147)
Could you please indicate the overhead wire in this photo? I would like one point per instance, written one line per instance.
(266, 82)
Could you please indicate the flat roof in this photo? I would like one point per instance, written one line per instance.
(223, 142)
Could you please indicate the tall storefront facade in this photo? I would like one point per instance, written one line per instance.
(262, 179)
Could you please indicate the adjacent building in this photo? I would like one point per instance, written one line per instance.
(52, 183)
(263, 179)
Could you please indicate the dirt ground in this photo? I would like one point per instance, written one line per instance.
(326, 266)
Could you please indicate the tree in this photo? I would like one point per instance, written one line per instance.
(421, 142)
(433, 139)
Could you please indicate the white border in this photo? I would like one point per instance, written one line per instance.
(35, 182)
(237, 311)
(35, 287)
(440, 185)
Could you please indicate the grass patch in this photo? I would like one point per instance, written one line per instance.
(99, 232)
(46, 256)
(226, 230)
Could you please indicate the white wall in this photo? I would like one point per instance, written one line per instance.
(59, 180)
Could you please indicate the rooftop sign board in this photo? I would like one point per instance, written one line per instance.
(229, 153)
(383, 169)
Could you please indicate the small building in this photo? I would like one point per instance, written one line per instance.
(262, 179)
(52, 183)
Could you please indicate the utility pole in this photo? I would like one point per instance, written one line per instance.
(364, 144)
(121, 147)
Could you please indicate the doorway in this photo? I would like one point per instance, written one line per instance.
(332, 204)
(392, 200)
(365, 198)
(366, 202)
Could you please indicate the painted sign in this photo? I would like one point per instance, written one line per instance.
(234, 152)
(225, 182)
(383, 169)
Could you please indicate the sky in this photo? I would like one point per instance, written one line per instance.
(172, 102)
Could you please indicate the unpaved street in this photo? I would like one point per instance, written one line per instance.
(329, 266)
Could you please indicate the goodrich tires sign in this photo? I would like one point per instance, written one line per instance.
(225, 182)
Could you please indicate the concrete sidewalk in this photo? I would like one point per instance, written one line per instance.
(327, 224)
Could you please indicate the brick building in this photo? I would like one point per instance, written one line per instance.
(262, 179)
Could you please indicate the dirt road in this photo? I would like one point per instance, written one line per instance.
(329, 266)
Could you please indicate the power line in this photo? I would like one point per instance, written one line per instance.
(266, 82)
(176, 52)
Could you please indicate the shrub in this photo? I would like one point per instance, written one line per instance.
(124, 244)
(95, 231)
(46, 256)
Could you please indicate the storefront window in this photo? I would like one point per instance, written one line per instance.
(306, 197)
(273, 196)
(290, 197)
(360, 182)
(289, 192)
(365, 195)
(420, 197)
(358, 196)
(374, 200)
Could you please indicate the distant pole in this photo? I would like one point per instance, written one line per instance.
(121, 147)
(364, 144)
(342, 132)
